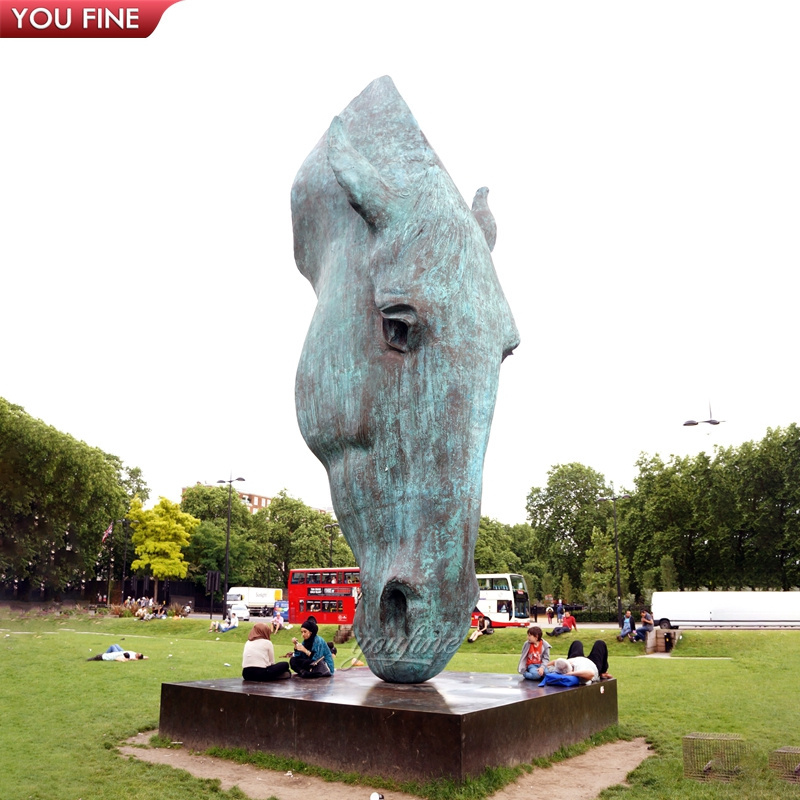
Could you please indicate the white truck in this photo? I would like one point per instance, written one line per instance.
(259, 601)
(726, 609)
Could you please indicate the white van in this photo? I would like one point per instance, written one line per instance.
(259, 600)
(726, 609)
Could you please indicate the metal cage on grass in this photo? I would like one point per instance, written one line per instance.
(785, 762)
(713, 756)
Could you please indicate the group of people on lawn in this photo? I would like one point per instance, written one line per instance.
(535, 664)
(312, 656)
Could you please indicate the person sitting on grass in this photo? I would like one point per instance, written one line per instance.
(627, 627)
(568, 623)
(535, 655)
(277, 621)
(484, 629)
(116, 653)
(226, 624)
(215, 626)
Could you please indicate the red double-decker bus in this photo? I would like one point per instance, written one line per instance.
(330, 595)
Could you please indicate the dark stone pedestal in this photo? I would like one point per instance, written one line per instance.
(454, 725)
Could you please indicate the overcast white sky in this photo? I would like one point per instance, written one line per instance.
(644, 169)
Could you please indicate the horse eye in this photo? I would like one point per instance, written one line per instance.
(397, 324)
(395, 332)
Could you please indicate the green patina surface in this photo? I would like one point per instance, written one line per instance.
(397, 381)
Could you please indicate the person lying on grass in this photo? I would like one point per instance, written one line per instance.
(578, 669)
(116, 653)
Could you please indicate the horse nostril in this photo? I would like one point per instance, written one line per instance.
(394, 610)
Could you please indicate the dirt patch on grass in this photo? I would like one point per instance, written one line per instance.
(580, 778)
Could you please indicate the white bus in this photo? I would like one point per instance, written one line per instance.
(504, 599)
(726, 609)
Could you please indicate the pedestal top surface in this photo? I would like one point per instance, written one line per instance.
(447, 693)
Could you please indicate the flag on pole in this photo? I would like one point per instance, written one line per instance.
(108, 532)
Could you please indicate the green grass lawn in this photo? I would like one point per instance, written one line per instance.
(63, 716)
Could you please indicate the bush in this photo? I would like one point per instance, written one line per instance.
(595, 616)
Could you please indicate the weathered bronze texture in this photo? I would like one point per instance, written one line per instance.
(455, 725)
(397, 381)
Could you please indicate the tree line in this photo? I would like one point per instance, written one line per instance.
(730, 520)
(57, 498)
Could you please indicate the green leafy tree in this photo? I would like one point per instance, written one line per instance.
(725, 522)
(288, 534)
(524, 546)
(210, 503)
(342, 554)
(548, 585)
(494, 549)
(57, 497)
(563, 515)
(649, 579)
(263, 564)
(565, 589)
(131, 480)
(669, 575)
(600, 572)
(768, 487)
(159, 537)
(207, 550)
(120, 550)
(659, 521)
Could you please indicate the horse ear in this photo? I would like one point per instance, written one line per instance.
(366, 191)
(484, 216)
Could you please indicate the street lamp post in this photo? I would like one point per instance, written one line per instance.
(228, 543)
(126, 529)
(110, 567)
(330, 528)
(613, 500)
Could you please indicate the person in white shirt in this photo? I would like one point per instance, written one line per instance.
(258, 657)
(589, 669)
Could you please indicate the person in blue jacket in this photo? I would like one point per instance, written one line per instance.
(311, 654)
(628, 628)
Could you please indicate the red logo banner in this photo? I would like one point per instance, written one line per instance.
(85, 19)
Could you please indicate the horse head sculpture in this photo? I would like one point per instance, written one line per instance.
(397, 381)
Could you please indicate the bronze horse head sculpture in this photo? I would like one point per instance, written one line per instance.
(397, 381)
